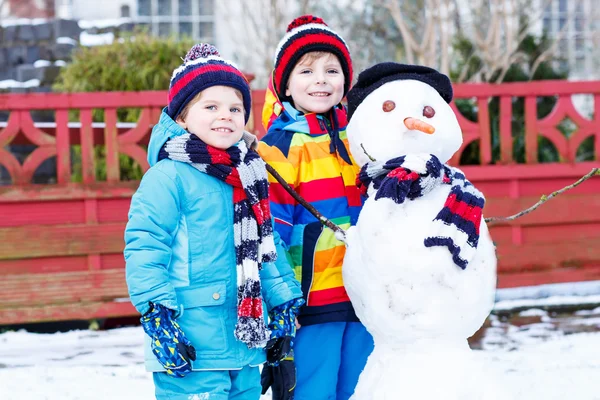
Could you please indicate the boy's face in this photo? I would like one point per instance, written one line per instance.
(217, 118)
(316, 84)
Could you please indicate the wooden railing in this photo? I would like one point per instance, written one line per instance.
(61, 244)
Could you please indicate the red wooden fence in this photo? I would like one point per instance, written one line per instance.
(61, 244)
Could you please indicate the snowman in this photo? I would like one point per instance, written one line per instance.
(420, 266)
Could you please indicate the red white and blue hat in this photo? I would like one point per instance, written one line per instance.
(202, 68)
(306, 34)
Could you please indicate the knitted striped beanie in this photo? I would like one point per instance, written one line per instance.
(202, 68)
(306, 34)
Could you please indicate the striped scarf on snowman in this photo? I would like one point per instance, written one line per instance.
(411, 177)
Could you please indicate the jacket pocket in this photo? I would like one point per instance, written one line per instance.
(204, 319)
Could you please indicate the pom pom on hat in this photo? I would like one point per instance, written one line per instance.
(202, 68)
(201, 50)
(306, 34)
(379, 74)
(305, 20)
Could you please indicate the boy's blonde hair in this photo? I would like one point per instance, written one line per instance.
(183, 114)
(311, 57)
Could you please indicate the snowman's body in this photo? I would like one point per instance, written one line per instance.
(406, 290)
(417, 303)
(419, 306)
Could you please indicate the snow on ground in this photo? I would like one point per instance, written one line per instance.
(550, 295)
(537, 355)
(535, 361)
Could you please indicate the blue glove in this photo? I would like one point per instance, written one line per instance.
(169, 344)
(279, 373)
(283, 318)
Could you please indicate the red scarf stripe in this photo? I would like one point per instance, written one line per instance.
(265, 205)
(250, 307)
(465, 210)
(234, 180)
(219, 156)
(261, 211)
(238, 195)
(403, 174)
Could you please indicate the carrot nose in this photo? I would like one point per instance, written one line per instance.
(417, 124)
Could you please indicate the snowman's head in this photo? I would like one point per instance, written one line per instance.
(399, 109)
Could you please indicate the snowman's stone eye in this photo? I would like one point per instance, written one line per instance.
(428, 112)
(388, 106)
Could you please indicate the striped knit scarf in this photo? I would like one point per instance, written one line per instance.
(242, 168)
(410, 177)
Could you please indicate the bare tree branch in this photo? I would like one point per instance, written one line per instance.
(506, 26)
(304, 6)
(550, 51)
(513, 59)
(544, 198)
(409, 42)
(444, 28)
(255, 27)
(495, 28)
(429, 31)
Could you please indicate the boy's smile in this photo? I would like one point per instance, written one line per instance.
(217, 117)
(224, 130)
(320, 94)
(316, 83)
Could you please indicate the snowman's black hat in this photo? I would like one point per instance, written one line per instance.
(376, 76)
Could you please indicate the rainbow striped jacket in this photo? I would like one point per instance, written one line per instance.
(311, 153)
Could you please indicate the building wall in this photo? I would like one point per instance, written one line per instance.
(95, 10)
(27, 8)
(193, 18)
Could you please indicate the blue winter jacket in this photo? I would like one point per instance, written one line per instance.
(179, 252)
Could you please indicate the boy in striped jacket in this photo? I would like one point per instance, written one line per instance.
(306, 143)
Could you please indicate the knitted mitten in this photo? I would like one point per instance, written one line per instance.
(169, 344)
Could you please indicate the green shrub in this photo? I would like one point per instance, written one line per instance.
(135, 62)
(132, 63)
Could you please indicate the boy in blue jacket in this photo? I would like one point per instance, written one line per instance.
(202, 261)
